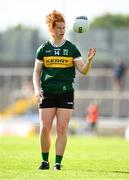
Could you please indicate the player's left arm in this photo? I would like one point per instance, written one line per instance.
(85, 67)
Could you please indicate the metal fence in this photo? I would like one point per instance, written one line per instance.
(96, 86)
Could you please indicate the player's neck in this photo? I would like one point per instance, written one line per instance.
(57, 41)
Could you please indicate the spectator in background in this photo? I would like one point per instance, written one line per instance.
(92, 116)
(119, 73)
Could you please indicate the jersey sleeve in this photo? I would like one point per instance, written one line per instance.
(39, 53)
(76, 53)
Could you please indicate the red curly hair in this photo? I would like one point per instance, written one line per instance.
(54, 17)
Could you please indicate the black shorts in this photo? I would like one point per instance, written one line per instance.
(64, 100)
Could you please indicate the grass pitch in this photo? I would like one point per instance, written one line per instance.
(86, 158)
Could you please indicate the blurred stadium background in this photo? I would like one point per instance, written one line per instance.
(18, 109)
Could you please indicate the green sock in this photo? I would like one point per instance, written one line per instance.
(45, 156)
(58, 159)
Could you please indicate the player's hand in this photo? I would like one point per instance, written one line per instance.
(39, 97)
(91, 54)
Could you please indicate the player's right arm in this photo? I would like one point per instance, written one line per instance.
(37, 74)
(36, 80)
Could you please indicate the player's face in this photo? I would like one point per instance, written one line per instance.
(59, 30)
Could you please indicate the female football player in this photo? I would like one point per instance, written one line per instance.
(53, 78)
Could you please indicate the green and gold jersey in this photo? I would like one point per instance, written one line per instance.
(58, 66)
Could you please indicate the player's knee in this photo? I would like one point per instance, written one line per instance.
(62, 130)
(44, 130)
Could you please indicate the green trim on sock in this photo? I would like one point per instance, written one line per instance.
(58, 159)
(45, 156)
